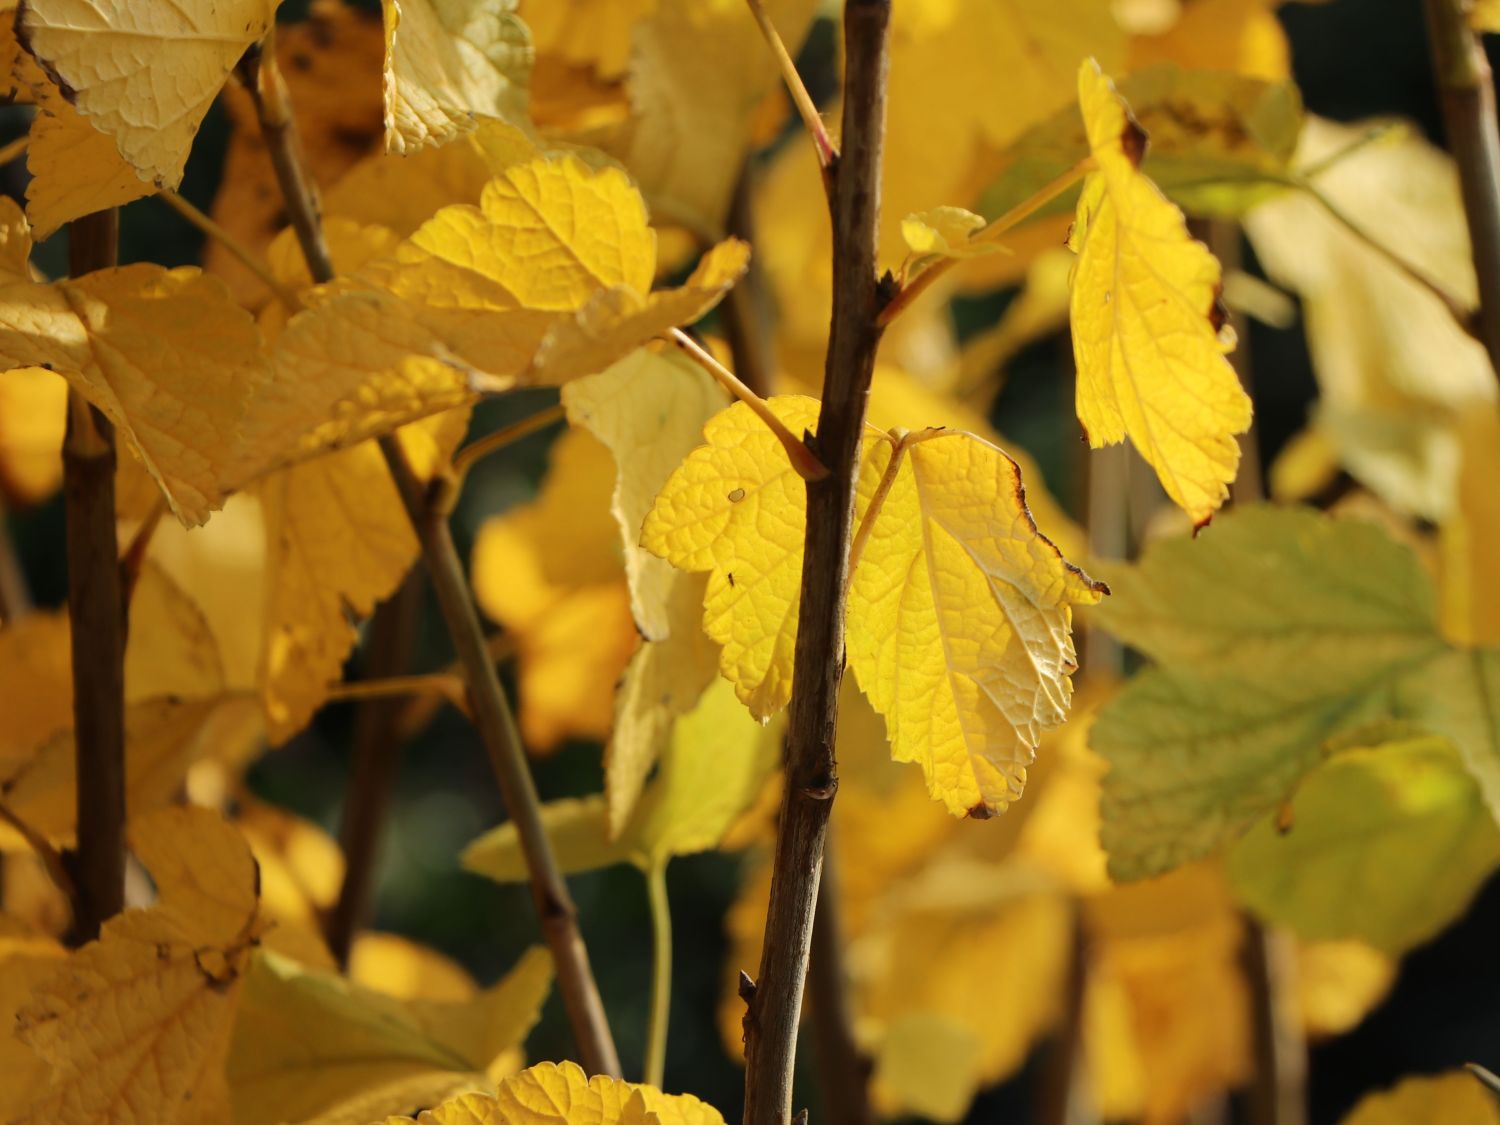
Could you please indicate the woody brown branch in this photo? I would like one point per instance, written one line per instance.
(492, 715)
(96, 611)
(774, 1010)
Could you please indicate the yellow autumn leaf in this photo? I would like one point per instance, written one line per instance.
(593, 33)
(25, 954)
(145, 74)
(1470, 537)
(338, 541)
(1456, 1097)
(1146, 339)
(399, 967)
(698, 72)
(960, 614)
(946, 232)
(142, 1017)
(164, 354)
(307, 1042)
(562, 1094)
(448, 63)
(618, 319)
(550, 572)
(33, 416)
(1338, 983)
(736, 509)
(1239, 36)
(1484, 15)
(301, 869)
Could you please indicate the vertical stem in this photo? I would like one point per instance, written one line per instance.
(745, 314)
(1277, 1088)
(1059, 1100)
(774, 1005)
(15, 598)
(843, 1070)
(497, 728)
(96, 611)
(1223, 239)
(1467, 93)
(492, 714)
(372, 774)
(661, 975)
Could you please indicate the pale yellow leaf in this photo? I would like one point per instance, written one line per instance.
(1453, 1098)
(33, 416)
(449, 62)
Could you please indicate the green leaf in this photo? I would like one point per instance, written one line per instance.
(1387, 844)
(1274, 632)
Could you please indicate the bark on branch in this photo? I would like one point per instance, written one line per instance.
(775, 1005)
(96, 609)
(1467, 92)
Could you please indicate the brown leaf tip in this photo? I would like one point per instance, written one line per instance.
(1134, 140)
(746, 987)
(982, 811)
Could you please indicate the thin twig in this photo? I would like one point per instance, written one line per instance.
(803, 459)
(1467, 93)
(997, 229)
(96, 611)
(278, 127)
(843, 1069)
(774, 1003)
(372, 773)
(661, 975)
(51, 859)
(247, 258)
(420, 709)
(806, 108)
(15, 148)
(470, 455)
(492, 714)
(445, 685)
(134, 556)
(1277, 1094)
(1063, 1072)
(745, 311)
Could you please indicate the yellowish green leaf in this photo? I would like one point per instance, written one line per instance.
(1146, 334)
(1274, 633)
(308, 1042)
(1400, 828)
(449, 63)
(946, 232)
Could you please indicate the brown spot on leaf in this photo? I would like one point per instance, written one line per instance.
(1133, 140)
(981, 811)
(737, 495)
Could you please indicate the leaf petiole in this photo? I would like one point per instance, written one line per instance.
(900, 440)
(807, 466)
(242, 253)
(446, 495)
(661, 974)
(827, 153)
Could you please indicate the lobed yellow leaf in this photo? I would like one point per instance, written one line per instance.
(960, 616)
(562, 1094)
(1146, 336)
(736, 509)
(959, 608)
(144, 73)
(142, 1017)
(449, 63)
(946, 232)
(593, 33)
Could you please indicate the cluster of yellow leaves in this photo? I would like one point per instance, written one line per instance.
(196, 1008)
(959, 608)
